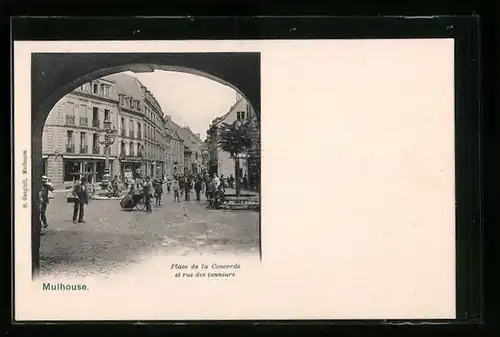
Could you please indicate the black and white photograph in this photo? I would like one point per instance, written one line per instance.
(157, 156)
(180, 180)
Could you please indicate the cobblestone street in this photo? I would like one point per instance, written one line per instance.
(112, 238)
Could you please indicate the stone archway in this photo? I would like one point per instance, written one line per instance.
(56, 74)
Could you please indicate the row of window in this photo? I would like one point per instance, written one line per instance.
(151, 151)
(71, 119)
(96, 88)
(71, 115)
(151, 115)
(83, 148)
(150, 133)
(134, 149)
(131, 103)
(131, 130)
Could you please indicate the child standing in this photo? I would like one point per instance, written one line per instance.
(169, 184)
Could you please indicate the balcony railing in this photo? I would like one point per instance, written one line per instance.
(70, 120)
(96, 123)
(96, 150)
(84, 121)
(131, 134)
(83, 148)
(139, 135)
(124, 133)
(107, 150)
(70, 148)
(140, 154)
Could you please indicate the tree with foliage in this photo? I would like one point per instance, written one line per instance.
(235, 139)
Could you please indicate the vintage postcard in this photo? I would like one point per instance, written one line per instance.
(273, 179)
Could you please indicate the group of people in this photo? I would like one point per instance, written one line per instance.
(180, 185)
(151, 188)
(80, 198)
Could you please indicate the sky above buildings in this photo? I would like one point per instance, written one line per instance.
(190, 99)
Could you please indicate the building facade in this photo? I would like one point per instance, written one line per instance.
(73, 132)
(174, 149)
(155, 136)
(219, 161)
(192, 150)
(71, 141)
(141, 129)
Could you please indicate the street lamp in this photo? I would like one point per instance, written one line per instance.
(237, 126)
(204, 162)
(107, 137)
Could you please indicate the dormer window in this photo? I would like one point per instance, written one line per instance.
(105, 90)
(240, 115)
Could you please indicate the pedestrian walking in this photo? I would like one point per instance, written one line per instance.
(81, 195)
(197, 187)
(187, 188)
(231, 181)
(176, 188)
(158, 192)
(148, 191)
(182, 183)
(44, 196)
(207, 185)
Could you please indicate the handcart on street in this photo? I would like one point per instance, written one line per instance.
(133, 199)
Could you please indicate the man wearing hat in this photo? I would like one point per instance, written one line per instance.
(81, 195)
(44, 199)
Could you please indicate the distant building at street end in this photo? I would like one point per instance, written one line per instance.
(174, 149)
(219, 161)
(192, 159)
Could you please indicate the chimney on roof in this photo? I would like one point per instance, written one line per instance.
(197, 135)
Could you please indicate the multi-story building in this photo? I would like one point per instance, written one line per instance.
(192, 149)
(219, 161)
(71, 138)
(145, 138)
(141, 128)
(155, 135)
(174, 149)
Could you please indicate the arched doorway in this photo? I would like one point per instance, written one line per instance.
(56, 74)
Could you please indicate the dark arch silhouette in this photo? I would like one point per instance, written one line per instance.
(56, 74)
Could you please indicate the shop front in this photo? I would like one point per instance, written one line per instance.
(130, 165)
(94, 167)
